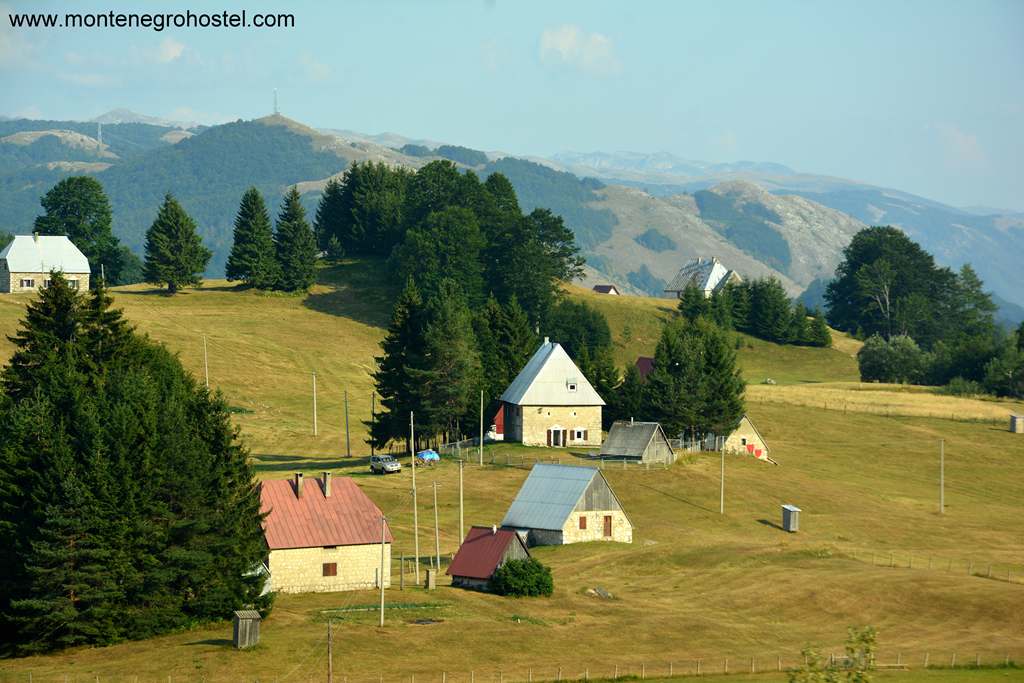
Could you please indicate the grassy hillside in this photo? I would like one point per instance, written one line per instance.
(694, 584)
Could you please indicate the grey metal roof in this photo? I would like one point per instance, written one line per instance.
(43, 253)
(705, 274)
(548, 496)
(631, 439)
(547, 378)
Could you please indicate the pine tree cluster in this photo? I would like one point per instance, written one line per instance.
(127, 505)
(760, 308)
(282, 259)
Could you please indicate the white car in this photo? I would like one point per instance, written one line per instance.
(384, 464)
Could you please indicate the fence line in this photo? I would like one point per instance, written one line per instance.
(881, 409)
(997, 571)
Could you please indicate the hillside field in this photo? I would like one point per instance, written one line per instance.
(693, 585)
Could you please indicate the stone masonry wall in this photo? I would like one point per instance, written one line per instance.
(11, 282)
(537, 420)
(622, 531)
(300, 570)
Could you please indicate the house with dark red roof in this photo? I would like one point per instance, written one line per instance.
(484, 550)
(607, 289)
(323, 535)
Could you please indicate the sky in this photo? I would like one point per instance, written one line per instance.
(925, 97)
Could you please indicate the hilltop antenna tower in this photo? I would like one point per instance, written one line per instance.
(275, 102)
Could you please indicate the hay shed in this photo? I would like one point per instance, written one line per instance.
(642, 441)
(245, 631)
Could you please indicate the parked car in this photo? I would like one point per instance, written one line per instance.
(384, 464)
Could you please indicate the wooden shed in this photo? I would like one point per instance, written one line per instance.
(641, 441)
(245, 631)
(482, 553)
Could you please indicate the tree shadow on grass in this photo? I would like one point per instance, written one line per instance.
(263, 462)
(222, 642)
(679, 498)
(357, 289)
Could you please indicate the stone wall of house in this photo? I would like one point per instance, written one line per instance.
(11, 282)
(622, 530)
(742, 436)
(537, 420)
(300, 570)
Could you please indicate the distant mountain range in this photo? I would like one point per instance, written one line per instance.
(637, 217)
(128, 116)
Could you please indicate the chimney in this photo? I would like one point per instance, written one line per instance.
(298, 484)
(494, 528)
(630, 420)
(547, 340)
(327, 484)
(35, 236)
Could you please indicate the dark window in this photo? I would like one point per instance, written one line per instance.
(583, 522)
(330, 568)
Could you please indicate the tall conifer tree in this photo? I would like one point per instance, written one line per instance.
(175, 254)
(295, 245)
(252, 259)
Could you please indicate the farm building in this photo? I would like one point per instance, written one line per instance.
(644, 365)
(26, 263)
(746, 439)
(559, 504)
(707, 275)
(607, 289)
(484, 550)
(550, 402)
(323, 535)
(642, 441)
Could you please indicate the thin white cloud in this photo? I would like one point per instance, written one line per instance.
(29, 112)
(569, 44)
(314, 70)
(88, 79)
(962, 148)
(169, 50)
(190, 115)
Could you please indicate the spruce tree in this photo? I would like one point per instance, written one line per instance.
(627, 400)
(721, 384)
(799, 330)
(819, 332)
(252, 259)
(516, 337)
(332, 215)
(1020, 337)
(295, 246)
(693, 304)
(493, 361)
(175, 254)
(401, 347)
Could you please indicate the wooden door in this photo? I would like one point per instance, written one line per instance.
(549, 438)
(607, 526)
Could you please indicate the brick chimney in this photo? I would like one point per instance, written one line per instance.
(327, 484)
(298, 484)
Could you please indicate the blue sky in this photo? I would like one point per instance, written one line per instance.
(926, 97)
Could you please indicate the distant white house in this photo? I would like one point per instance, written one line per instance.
(550, 402)
(607, 289)
(707, 275)
(26, 263)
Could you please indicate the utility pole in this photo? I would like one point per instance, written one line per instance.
(373, 417)
(415, 512)
(348, 447)
(721, 502)
(462, 534)
(314, 404)
(437, 535)
(330, 653)
(942, 476)
(382, 543)
(481, 433)
(206, 363)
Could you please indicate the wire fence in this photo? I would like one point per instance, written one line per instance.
(923, 561)
(312, 665)
(957, 414)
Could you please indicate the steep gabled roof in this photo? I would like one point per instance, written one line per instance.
(631, 439)
(606, 289)
(546, 379)
(548, 496)
(346, 517)
(746, 418)
(481, 552)
(43, 253)
(704, 274)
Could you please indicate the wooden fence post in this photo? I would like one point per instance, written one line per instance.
(926, 660)
(953, 662)
(780, 663)
(698, 667)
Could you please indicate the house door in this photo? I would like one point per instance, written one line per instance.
(607, 526)
(558, 438)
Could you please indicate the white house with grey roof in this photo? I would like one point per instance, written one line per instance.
(26, 263)
(706, 274)
(559, 504)
(550, 402)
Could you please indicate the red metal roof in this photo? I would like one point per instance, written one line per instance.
(499, 420)
(481, 552)
(347, 517)
(644, 364)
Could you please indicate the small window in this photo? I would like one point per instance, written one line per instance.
(73, 284)
(571, 386)
(28, 283)
(330, 568)
(583, 522)
(579, 435)
(744, 441)
(46, 284)
(330, 547)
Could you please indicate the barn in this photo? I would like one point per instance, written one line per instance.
(746, 439)
(323, 535)
(641, 441)
(551, 403)
(484, 550)
(560, 504)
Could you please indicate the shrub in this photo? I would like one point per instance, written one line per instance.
(958, 386)
(522, 578)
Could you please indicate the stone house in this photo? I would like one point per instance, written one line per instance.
(559, 504)
(550, 402)
(323, 535)
(26, 263)
(746, 439)
(484, 550)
